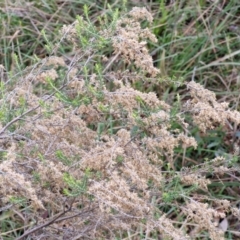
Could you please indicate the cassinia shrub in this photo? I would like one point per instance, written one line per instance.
(89, 152)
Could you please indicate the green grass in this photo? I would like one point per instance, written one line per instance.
(201, 38)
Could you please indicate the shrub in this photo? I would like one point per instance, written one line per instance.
(91, 152)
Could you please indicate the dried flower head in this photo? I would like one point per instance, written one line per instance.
(130, 40)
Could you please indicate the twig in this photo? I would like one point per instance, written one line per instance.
(111, 62)
(47, 223)
(28, 111)
(17, 118)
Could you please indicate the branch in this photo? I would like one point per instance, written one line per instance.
(28, 111)
(47, 223)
